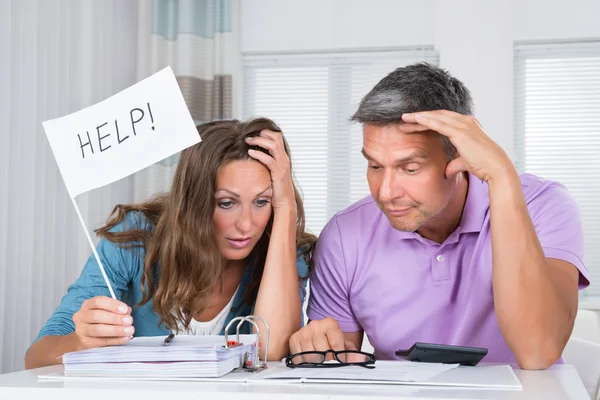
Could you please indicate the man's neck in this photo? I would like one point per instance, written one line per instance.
(441, 226)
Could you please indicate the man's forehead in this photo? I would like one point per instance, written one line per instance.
(391, 133)
(390, 138)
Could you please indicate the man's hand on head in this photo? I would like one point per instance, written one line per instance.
(478, 153)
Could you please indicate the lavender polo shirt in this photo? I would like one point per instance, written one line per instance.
(401, 288)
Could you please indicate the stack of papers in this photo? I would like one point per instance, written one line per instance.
(384, 372)
(500, 377)
(405, 373)
(148, 357)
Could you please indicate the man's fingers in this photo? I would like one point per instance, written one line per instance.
(435, 123)
(320, 343)
(349, 345)
(335, 336)
(412, 128)
(306, 344)
(106, 303)
(295, 346)
(455, 166)
(445, 115)
(351, 357)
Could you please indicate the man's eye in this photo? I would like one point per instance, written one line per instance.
(375, 167)
(413, 169)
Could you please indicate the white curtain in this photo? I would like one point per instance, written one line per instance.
(56, 57)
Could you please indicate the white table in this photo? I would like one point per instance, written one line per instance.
(559, 382)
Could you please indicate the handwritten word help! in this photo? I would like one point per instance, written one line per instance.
(105, 136)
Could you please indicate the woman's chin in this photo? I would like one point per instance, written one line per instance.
(237, 254)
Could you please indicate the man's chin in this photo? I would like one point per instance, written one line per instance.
(403, 226)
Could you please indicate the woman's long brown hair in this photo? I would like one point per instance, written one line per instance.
(183, 262)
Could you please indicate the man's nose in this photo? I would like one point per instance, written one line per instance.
(390, 187)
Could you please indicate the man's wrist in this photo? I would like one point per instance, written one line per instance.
(506, 189)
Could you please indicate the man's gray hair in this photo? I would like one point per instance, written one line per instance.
(417, 87)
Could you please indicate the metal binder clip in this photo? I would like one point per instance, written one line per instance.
(254, 364)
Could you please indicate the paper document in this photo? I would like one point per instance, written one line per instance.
(383, 372)
(148, 357)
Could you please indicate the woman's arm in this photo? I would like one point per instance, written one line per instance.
(86, 316)
(278, 300)
(101, 321)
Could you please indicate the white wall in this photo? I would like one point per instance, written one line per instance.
(475, 38)
(557, 20)
(313, 25)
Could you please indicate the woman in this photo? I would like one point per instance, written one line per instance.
(228, 240)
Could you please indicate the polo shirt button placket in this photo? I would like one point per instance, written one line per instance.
(440, 269)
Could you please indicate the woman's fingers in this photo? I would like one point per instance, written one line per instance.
(106, 318)
(106, 331)
(263, 158)
(106, 303)
(265, 143)
(103, 321)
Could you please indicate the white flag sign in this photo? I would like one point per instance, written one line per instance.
(123, 134)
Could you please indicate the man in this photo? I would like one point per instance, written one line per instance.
(453, 246)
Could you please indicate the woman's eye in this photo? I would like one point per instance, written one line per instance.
(262, 202)
(225, 204)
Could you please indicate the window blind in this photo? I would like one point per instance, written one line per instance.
(557, 117)
(312, 97)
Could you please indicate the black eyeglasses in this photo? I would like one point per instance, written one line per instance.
(316, 359)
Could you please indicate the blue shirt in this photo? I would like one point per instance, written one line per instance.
(124, 268)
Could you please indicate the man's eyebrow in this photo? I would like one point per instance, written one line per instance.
(415, 154)
(365, 155)
(412, 156)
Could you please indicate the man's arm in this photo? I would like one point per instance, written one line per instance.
(333, 324)
(535, 297)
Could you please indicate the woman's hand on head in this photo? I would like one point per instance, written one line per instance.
(103, 321)
(279, 165)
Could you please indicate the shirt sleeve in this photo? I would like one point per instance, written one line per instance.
(329, 284)
(557, 221)
(118, 264)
